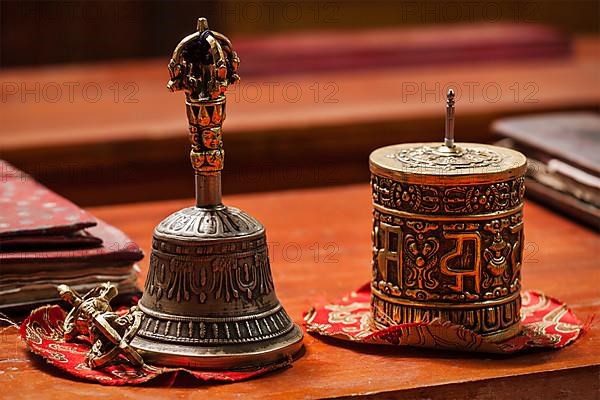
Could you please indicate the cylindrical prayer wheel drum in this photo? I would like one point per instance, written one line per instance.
(448, 235)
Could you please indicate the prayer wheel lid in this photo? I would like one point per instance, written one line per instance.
(426, 163)
(447, 162)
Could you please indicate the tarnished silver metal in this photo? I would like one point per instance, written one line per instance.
(208, 190)
(209, 299)
(449, 135)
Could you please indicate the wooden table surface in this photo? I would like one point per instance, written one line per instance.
(561, 259)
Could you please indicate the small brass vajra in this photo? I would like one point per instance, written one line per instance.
(109, 332)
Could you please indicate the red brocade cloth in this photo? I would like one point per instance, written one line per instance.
(43, 333)
(545, 323)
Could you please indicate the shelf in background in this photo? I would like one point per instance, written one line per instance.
(115, 134)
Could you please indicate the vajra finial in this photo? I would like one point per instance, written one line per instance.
(109, 332)
(203, 65)
(449, 135)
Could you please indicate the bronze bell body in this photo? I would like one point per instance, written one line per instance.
(209, 299)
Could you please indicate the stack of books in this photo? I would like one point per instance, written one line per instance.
(563, 155)
(45, 241)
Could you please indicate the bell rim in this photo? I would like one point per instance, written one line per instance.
(238, 356)
(268, 310)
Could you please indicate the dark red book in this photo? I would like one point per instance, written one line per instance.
(30, 278)
(45, 241)
(30, 209)
(116, 248)
(79, 239)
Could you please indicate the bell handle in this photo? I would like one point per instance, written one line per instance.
(203, 65)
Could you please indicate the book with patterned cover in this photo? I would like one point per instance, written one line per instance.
(28, 208)
(46, 240)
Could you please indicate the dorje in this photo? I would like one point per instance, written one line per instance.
(448, 234)
(209, 299)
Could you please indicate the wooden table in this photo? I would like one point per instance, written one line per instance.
(561, 259)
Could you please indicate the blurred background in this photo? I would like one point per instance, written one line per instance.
(76, 31)
(85, 109)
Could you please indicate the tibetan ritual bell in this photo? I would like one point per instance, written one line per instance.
(209, 299)
(448, 234)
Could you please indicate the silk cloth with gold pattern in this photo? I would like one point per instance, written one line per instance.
(545, 323)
